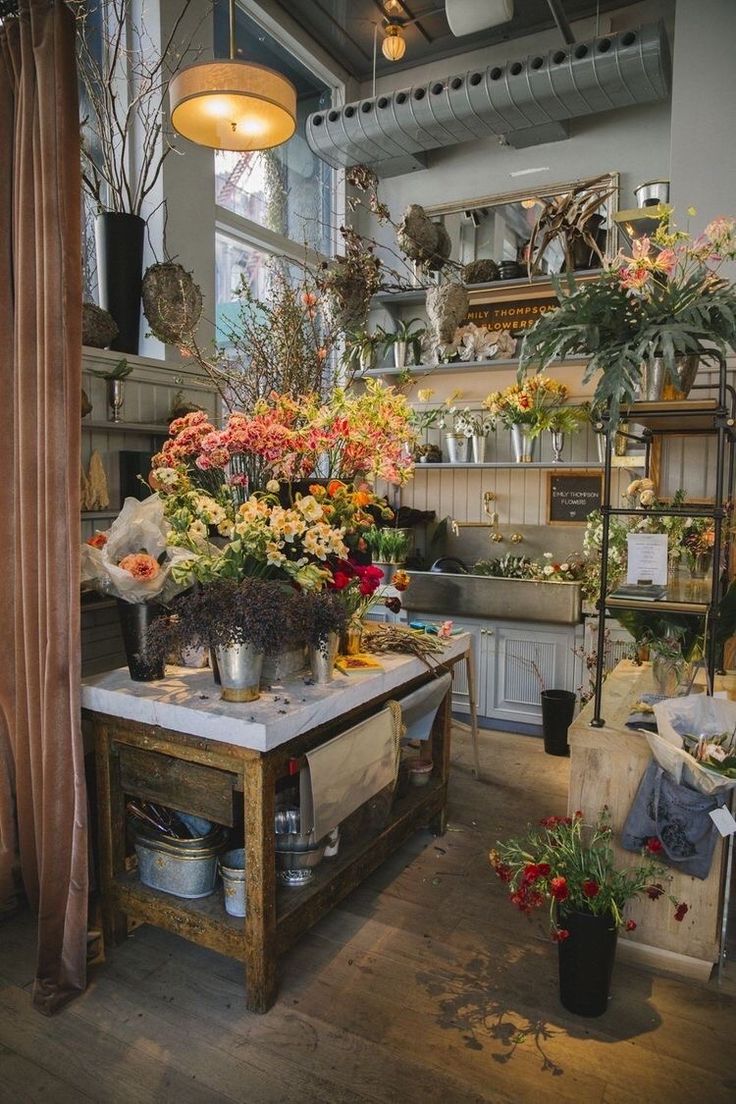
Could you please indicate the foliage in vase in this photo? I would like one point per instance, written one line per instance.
(664, 299)
(359, 588)
(387, 544)
(569, 865)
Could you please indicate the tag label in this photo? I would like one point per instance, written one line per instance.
(723, 821)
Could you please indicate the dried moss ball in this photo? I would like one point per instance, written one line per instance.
(480, 272)
(172, 302)
(99, 328)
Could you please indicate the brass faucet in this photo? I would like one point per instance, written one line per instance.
(516, 538)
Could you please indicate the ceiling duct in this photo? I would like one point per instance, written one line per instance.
(525, 100)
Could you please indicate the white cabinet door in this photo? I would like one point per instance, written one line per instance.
(460, 692)
(522, 660)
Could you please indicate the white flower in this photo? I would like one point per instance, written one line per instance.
(548, 556)
(548, 569)
(197, 531)
(564, 567)
(272, 486)
(310, 508)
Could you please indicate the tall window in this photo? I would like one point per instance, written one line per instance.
(270, 203)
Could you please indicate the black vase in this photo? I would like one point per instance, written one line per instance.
(119, 241)
(585, 961)
(135, 620)
(558, 707)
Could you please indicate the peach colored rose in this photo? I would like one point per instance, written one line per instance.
(140, 565)
(99, 540)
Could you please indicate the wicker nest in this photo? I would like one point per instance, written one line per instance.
(447, 306)
(480, 272)
(422, 240)
(172, 302)
(99, 328)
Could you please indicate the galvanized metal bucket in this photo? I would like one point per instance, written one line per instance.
(232, 871)
(182, 867)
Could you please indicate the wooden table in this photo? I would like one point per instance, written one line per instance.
(606, 765)
(177, 743)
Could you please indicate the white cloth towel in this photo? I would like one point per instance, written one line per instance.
(418, 709)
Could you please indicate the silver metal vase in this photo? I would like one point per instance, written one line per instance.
(523, 444)
(240, 667)
(322, 658)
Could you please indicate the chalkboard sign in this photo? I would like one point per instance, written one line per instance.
(572, 496)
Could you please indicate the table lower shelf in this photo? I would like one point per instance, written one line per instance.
(205, 921)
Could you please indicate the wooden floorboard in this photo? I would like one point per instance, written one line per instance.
(424, 985)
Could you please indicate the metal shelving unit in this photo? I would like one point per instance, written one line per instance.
(703, 416)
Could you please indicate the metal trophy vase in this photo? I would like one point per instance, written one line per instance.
(115, 398)
(322, 656)
(586, 959)
(523, 444)
(135, 620)
(558, 443)
(457, 448)
(240, 667)
(478, 442)
(119, 242)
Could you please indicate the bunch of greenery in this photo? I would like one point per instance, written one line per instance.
(665, 300)
(388, 544)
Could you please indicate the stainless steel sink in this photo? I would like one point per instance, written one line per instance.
(487, 596)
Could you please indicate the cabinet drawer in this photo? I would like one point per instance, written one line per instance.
(189, 787)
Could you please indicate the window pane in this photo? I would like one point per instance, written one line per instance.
(236, 262)
(287, 189)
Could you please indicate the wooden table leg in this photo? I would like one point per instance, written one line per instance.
(260, 886)
(111, 821)
(440, 739)
(470, 670)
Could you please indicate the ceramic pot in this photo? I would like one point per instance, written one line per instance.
(585, 962)
(240, 667)
(135, 620)
(322, 658)
(119, 243)
(523, 444)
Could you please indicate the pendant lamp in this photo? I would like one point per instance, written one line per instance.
(229, 104)
(393, 46)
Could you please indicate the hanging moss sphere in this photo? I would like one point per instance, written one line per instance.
(99, 328)
(172, 302)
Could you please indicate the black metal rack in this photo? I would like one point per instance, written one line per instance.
(705, 416)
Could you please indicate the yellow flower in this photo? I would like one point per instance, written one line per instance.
(424, 394)
(309, 508)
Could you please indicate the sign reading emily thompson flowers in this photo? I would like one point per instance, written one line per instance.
(573, 496)
(516, 314)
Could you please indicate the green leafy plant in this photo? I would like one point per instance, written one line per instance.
(566, 419)
(570, 866)
(665, 300)
(387, 545)
(404, 332)
(120, 372)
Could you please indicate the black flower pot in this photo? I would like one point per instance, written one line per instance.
(119, 241)
(558, 707)
(586, 961)
(135, 621)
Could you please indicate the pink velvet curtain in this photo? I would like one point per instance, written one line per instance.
(41, 756)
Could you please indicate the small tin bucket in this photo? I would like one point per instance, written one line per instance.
(182, 867)
(232, 869)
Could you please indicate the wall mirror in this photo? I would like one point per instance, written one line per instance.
(499, 228)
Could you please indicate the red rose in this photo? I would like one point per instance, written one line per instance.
(543, 869)
(558, 888)
(680, 911)
(654, 845)
(630, 925)
(560, 935)
(99, 540)
(654, 891)
(591, 888)
(504, 872)
(394, 604)
(530, 873)
(340, 580)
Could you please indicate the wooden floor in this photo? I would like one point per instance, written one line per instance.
(425, 985)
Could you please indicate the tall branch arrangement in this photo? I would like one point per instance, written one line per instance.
(125, 137)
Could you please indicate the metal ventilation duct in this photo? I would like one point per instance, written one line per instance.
(523, 100)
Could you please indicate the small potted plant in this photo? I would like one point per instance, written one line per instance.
(402, 340)
(570, 867)
(361, 350)
(388, 545)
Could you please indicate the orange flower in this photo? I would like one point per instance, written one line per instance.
(363, 498)
(400, 580)
(334, 487)
(99, 540)
(140, 565)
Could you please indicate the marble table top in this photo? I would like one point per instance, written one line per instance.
(188, 701)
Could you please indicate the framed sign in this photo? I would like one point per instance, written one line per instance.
(515, 311)
(572, 496)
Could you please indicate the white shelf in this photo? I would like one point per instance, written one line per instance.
(565, 465)
(98, 515)
(463, 366)
(417, 295)
(152, 428)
